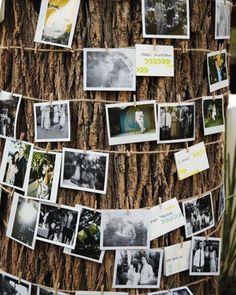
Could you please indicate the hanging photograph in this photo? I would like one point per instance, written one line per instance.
(213, 114)
(166, 19)
(15, 165)
(221, 203)
(10, 284)
(137, 269)
(176, 291)
(205, 256)
(222, 19)
(56, 22)
(129, 123)
(9, 108)
(58, 225)
(122, 229)
(99, 293)
(52, 121)
(217, 70)
(112, 70)
(88, 237)
(199, 214)
(23, 219)
(48, 291)
(84, 171)
(44, 176)
(176, 122)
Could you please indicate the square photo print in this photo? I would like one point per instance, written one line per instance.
(10, 284)
(222, 19)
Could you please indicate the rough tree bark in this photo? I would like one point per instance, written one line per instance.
(141, 178)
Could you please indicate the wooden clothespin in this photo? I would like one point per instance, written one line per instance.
(221, 47)
(135, 102)
(179, 98)
(181, 242)
(85, 147)
(51, 98)
(56, 288)
(184, 47)
(137, 293)
(19, 277)
(36, 48)
(160, 202)
(206, 235)
(167, 150)
(22, 47)
(127, 205)
(102, 289)
(199, 192)
(95, 206)
(12, 192)
(213, 97)
(8, 44)
(22, 135)
(12, 91)
(186, 144)
(59, 205)
(154, 44)
(168, 289)
(127, 153)
(48, 147)
(106, 47)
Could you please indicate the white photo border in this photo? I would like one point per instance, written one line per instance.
(17, 279)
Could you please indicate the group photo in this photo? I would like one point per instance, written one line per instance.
(10, 285)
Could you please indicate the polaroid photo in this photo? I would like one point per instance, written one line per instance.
(129, 123)
(112, 70)
(52, 121)
(122, 229)
(99, 293)
(222, 19)
(221, 203)
(181, 291)
(166, 19)
(15, 166)
(9, 284)
(9, 109)
(205, 256)
(58, 225)
(44, 176)
(213, 114)
(88, 237)
(217, 70)
(56, 22)
(176, 122)
(23, 220)
(48, 291)
(138, 269)
(199, 214)
(84, 171)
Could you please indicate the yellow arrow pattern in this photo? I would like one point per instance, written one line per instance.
(157, 61)
(142, 70)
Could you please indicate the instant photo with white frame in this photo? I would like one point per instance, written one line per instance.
(109, 70)
(175, 291)
(138, 268)
(84, 171)
(10, 283)
(131, 122)
(58, 225)
(213, 114)
(48, 291)
(199, 214)
(88, 237)
(15, 166)
(221, 202)
(217, 70)
(56, 22)
(166, 19)
(122, 229)
(222, 19)
(205, 256)
(176, 122)
(52, 121)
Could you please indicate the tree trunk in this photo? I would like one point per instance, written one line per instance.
(142, 178)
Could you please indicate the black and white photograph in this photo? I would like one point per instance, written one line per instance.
(213, 114)
(44, 176)
(99, 293)
(217, 70)
(181, 291)
(205, 256)
(88, 237)
(221, 202)
(84, 171)
(160, 293)
(129, 122)
(125, 229)
(222, 19)
(199, 214)
(176, 122)
(58, 225)
(56, 22)
(9, 108)
(23, 220)
(166, 19)
(109, 70)
(52, 121)
(137, 268)
(48, 291)
(10, 285)
(15, 165)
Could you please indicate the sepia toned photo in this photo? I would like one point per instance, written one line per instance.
(10, 284)
(222, 19)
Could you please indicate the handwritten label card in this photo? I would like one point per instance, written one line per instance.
(192, 161)
(154, 61)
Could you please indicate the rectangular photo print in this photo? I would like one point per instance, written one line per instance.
(112, 70)
(166, 19)
(221, 203)
(84, 171)
(181, 291)
(58, 225)
(99, 293)
(199, 214)
(213, 114)
(176, 122)
(138, 268)
(56, 22)
(88, 237)
(122, 229)
(15, 166)
(222, 19)
(9, 284)
(48, 291)
(9, 108)
(44, 176)
(129, 123)
(205, 256)
(52, 121)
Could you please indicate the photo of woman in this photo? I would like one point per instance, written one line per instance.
(12, 168)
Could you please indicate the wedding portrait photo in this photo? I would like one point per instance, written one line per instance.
(137, 268)
(52, 121)
(222, 19)
(10, 285)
